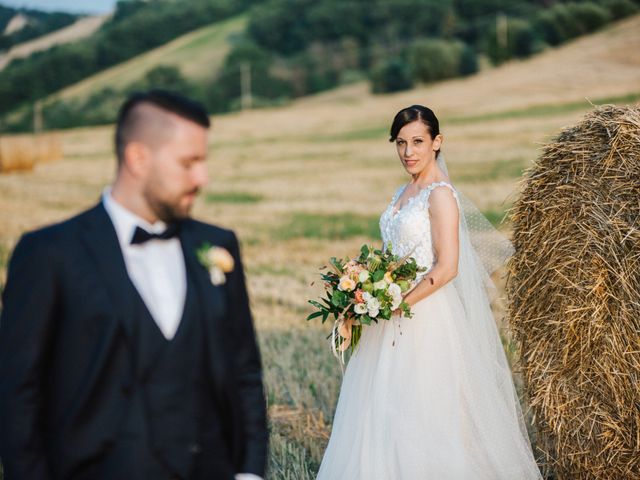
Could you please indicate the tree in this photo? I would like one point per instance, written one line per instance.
(391, 76)
(432, 60)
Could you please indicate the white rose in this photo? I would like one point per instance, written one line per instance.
(373, 312)
(366, 296)
(395, 304)
(395, 290)
(373, 303)
(381, 285)
(360, 308)
(363, 276)
(217, 276)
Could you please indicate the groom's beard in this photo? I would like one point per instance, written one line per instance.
(171, 211)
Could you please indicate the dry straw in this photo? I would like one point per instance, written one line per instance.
(23, 152)
(574, 296)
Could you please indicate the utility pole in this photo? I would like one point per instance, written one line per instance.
(245, 85)
(502, 33)
(37, 117)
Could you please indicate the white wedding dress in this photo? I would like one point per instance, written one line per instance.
(428, 397)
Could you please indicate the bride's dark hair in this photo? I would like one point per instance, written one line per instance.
(411, 114)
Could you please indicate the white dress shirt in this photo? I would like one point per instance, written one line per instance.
(156, 267)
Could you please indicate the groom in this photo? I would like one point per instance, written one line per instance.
(127, 349)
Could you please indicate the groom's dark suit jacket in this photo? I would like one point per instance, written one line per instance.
(87, 382)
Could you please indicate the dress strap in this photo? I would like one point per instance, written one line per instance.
(430, 188)
(396, 195)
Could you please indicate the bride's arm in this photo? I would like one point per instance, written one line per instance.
(443, 210)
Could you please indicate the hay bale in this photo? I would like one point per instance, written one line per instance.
(48, 148)
(16, 154)
(574, 296)
(23, 152)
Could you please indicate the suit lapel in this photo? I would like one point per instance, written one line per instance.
(102, 242)
(210, 296)
(212, 300)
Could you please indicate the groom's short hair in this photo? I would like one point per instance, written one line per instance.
(129, 123)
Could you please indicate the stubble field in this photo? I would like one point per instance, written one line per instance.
(305, 182)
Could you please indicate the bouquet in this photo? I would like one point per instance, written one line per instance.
(364, 290)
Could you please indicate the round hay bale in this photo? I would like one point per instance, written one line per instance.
(574, 296)
(48, 148)
(16, 153)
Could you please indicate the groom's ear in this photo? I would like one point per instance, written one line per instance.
(137, 158)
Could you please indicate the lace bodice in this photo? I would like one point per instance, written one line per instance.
(409, 229)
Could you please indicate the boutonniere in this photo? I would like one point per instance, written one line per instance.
(217, 261)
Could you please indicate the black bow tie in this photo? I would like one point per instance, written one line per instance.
(141, 235)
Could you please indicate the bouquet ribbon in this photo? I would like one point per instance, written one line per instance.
(341, 337)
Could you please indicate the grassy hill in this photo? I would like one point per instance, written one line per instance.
(197, 55)
(82, 28)
(294, 49)
(20, 25)
(308, 181)
(135, 28)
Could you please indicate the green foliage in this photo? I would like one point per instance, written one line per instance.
(457, 29)
(468, 61)
(165, 77)
(296, 47)
(225, 92)
(392, 75)
(143, 26)
(621, 8)
(39, 23)
(565, 21)
(291, 26)
(6, 14)
(589, 15)
(102, 106)
(99, 109)
(521, 41)
(431, 60)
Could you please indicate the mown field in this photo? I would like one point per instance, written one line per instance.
(308, 181)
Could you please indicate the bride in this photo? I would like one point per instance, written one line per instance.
(431, 396)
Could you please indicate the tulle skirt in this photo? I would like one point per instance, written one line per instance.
(416, 403)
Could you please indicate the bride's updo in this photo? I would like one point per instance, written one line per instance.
(411, 114)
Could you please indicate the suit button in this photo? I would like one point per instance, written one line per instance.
(195, 448)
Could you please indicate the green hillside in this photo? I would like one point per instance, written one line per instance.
(135, 28)
(37, 23)
(197, 55)
(291, 48)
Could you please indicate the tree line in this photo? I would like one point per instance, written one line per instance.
(298, 47)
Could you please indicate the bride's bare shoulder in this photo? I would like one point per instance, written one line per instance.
(443, 200)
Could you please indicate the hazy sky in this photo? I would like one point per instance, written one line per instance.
(76, 6)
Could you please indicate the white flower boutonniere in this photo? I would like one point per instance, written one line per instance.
(217, 261)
